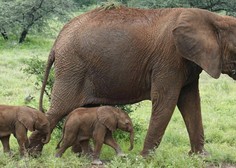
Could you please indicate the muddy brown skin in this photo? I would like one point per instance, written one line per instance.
(126, 55)
(97, 123)
(17, 120)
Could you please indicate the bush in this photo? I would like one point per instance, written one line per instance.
(36, 67)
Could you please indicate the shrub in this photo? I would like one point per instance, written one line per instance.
(36, 66)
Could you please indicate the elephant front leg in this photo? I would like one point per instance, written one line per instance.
(109, 140)
(96, 153)
(98, 136)
(22, 139)
(189, 106)
(67, 141)
(164, 99)
(5, 144)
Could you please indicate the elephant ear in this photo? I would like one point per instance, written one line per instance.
(196, 38)
(27, 118)
(107, 117)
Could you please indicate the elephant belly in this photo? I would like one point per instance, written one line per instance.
(83, 137)
(114, 90)
(4, 132)
(117, 71)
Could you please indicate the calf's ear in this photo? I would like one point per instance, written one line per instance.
(107, 118)
(27, 118)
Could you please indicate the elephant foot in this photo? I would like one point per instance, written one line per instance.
(144, 153)
(89, 155)
(121, 154)
(24, 154)
(57, 155)
(78, 154)
(97, 162)
(203, 153)
(10, 153)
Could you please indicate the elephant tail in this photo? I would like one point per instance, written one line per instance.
(59, 143)
(50, 61)
(63, 133)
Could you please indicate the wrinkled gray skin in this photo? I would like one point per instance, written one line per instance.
(97, 123)
(126, 55)
(17, 120)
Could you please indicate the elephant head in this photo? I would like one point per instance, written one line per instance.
(35, 120)
(114, 118)
(209, 40)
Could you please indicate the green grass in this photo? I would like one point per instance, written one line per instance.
(16, 85)
(218, 110)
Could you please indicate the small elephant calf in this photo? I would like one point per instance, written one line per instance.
(97, 123)
(17, 120)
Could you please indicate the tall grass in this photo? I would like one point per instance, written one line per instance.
(218, 110)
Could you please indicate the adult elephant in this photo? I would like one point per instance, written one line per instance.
(124, 55)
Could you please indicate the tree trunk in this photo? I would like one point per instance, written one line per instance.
(23, 35)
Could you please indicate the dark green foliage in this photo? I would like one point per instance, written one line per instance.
(36, 67)
(229, 6)
(127, 108)
(82, 3)
(21, 17)
(18, 17)
(158, 3)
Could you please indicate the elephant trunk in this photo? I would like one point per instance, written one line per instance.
(48, 137)
(131, 140)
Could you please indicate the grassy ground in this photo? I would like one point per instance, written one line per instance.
(218, 108)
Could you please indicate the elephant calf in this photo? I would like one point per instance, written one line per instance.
(17, 120)
(97, 123)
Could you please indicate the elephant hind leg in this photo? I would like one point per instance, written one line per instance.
(69, 138)
(67, 94)
(61, 150)
(66, 143)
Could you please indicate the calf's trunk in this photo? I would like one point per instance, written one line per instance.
(131, 140)
(47, 138)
